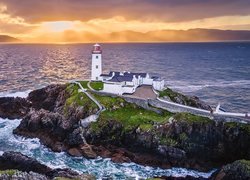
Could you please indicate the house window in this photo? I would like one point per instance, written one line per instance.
(96, 66)
(96, 57)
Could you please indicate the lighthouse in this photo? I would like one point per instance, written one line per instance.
(96, 69)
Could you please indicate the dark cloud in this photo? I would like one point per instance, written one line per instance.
(163, 10)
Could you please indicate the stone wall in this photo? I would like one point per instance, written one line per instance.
(175, 108)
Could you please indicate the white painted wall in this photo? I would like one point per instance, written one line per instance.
(158, 85)
(128, 90)
(147, 81)
(112, 88)
(96, 67)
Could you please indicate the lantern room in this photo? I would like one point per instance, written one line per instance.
(97, 49)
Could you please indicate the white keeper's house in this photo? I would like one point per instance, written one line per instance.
(120, 82)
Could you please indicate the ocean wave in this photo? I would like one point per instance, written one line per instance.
(100, 167)
(189, 87)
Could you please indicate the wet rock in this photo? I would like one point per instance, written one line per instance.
(15, 160)
(20, 162)
(75, 152)
(87, 151)
(45, 123)
(13, 108)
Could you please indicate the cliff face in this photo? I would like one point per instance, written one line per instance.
(126, 132)
(185, 140)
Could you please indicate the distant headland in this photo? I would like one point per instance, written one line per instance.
(5, 38)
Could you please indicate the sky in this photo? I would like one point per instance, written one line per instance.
(83, 20)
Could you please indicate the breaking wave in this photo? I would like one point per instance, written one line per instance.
(22, 94)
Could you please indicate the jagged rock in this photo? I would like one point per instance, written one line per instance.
(51, 127)
(171, 152)
(76, 138)
(13, 108)
(48, 98)
(15, 160)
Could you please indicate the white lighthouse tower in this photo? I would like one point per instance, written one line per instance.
(96, 69)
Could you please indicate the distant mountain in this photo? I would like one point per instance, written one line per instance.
(192, 35)
(5, 38)
(199, 35)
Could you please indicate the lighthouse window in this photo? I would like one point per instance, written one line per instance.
(96, 66)
(96, 57)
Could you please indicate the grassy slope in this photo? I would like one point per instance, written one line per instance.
(173, 95)
(78, 99)
(130, 115)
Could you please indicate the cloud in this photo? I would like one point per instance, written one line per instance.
(146, 10)
(13, 24)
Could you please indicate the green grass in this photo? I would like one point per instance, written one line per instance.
(244, 127)
(168, 92)
(130, 115)
(110, 102)
(9, 172)
(84, 84)
(78, 98)
(97, 85)
(192, 118)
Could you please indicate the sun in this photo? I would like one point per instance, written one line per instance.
(58, 26)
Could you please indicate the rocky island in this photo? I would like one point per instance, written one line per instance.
(131, 132)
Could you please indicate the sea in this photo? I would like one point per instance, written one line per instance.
(216, 72)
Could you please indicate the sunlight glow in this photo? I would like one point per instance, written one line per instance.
(58, 26)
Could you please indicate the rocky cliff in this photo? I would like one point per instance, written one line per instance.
(126, 132)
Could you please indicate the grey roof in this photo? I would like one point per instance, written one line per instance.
(121, 78)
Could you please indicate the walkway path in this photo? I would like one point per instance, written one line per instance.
(92, 118)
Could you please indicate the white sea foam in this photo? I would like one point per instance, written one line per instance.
(189, 87)
(22, 94)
